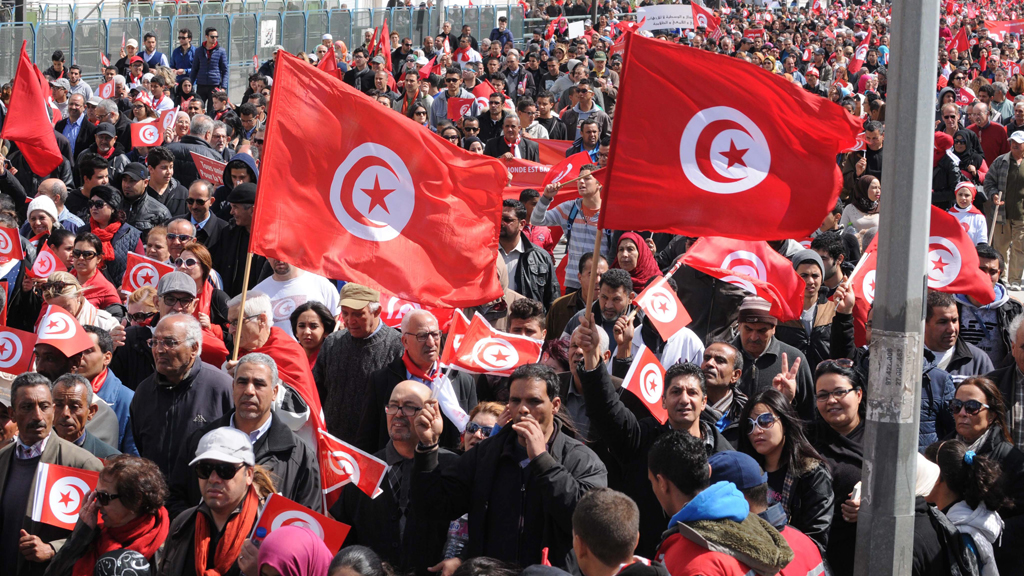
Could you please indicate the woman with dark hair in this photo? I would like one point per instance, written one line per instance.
(129, 496)
(967, 147)
(634, 256)
(212, 309)
(862, 212)
(969, 494)
(797, 476)
(839, 437)
(311, 323)
(86, 259)
(419, 114)
(358, 561)
(118, 238)
(452, 134)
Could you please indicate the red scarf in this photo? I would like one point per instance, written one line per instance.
(99, 381)
(512, 146)
(209, 51)
(417, 372)
(230, 544)
(145, 535)
(105, 234)
(107, 155)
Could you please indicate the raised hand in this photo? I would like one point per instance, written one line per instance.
(785, 381)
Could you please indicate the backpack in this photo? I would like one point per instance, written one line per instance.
(959, 548)
(573, 212)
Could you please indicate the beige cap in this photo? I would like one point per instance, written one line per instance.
(357, 296)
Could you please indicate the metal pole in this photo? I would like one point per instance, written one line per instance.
(885, 524)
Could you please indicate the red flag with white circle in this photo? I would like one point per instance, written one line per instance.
(485, 350)
(456, 332)
(752, 159)
(46, 263)
(60, 329)
(863, 283)
(660, 303)
(167, 118)
(146, 134)
(16, 348)
(393, 309)
(860, 54)
(341, 464)
(106, 90)
(279, 512)
(59, 494)
(646, 381)
(143, 271)
(10, 245)
(459, 107)
(953, 261)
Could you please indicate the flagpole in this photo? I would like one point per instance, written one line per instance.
(591, 287)
(241, 307)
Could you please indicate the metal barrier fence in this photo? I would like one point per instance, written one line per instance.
(297, 26)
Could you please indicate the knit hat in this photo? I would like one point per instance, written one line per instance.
(45, 204)
(805, 256)
(108, 194)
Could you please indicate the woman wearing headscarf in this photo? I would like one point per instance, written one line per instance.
(862, 212)
(634, 256)
(184, 92)
(294, 551)
(473, 144)
(967, 149)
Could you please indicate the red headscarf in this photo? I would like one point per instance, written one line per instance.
(943, 142)
(646, 266)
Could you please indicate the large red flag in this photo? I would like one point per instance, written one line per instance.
(27, 122)
(753, 266)
(959, 42)
(953, 260)
(279, 512)
(59, 494)
(755, 158)
(860, 54)
(60, 329)
(385, 203)
(646, 380)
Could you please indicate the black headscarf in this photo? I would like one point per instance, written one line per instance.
(468, 140)
(972, 155)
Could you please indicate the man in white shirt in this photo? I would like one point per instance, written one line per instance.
(290, 287)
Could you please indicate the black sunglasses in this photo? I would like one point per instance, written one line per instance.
(191, 201)
(87, 254)
(140, 317)
(473, 427)
(97, 204)
(104, 499)
(971, 406)
(224, 470)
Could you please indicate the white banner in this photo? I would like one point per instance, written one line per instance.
(665, 16)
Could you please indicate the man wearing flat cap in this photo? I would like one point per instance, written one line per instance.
(229, 254)
(768, 362)
(348, 357)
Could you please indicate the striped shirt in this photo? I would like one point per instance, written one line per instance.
(581, 241)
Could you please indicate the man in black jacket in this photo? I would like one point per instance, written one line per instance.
(291, 463)
(141, 210)
(530, 270)
(182, 396)
(403, 535)
(684, 396)
(520, 487)
(230, 253)
(510, 144)
(421, 341)
(208, 225)
(492, 121)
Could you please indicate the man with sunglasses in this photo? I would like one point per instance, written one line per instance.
(224, 464)
(93, 364)
(405, 538)
(182, 396)
(421, 343)
(291, 462)
(179, 233)
(208, 226)
(453, 89)
(27, 546)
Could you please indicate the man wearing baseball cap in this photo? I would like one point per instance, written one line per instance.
(768, 362)
(140, 209)
(744, 472)
(230, 252)
(59, 89)
(211, 534)
(813, 84)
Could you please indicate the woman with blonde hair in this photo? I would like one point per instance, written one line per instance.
(62, 289)
(212, 309)
(142, 307)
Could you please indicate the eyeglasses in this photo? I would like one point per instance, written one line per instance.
(972, 407)
(104, 498)
(451, 80)
(958, 77)
(170, 300)
(471, 129)
(420, 113)
(183, 38)
(495, 102)
(87, 254)
(422, 337)
(97, 204)
(953, 116)
(473, 428)
(959, 142)
(140, 317)
(183, 238)
(838, 394)
(407, 411)
(452, 137)
(224, 470)
(762, 422)
(156, 343)
(234, 323)
(185, 262)
(258, 141)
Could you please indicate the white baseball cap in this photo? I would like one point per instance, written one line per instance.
(132, 42)
(225, 445)
(327, 37)
(1017, 137)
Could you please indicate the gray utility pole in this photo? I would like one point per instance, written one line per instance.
(885, 525)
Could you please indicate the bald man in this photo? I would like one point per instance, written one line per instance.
(388, 524)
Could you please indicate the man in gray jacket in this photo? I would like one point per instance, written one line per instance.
(453, 89)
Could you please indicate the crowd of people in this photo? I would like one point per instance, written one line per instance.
(557, 469)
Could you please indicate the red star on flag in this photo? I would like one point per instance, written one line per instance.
(734, 155)
(377, 196)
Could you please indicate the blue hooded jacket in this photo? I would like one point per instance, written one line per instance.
(719, 501)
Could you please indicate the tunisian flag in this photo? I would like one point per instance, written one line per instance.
(484, 350)
(46, 263)
(59, 494)
(660, 303)
(27, 122)
(143, 271)
(755, 267)
(863, 283)
(646, 380)
(384, 202)
(341, 463)
(959, 42)
(60, 329)
(755, 158)
(953, 260)
(279, 512)
(16, 350)
(10, 245)
(861, 54)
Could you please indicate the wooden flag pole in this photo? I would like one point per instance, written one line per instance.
(241, 307)
(591, 287)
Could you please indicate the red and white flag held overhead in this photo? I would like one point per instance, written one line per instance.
(953, 261)
(755, 160)
(60, 329)
(104, 60)
(279, 512)
(10, 245)
(393, 309)
(959, 42)
(341, 464)
(660, 303)
(16, 347)
(59, 494)
(46, 263)
(146, 134)
(143, 271)
(485, 350)
(567, 169)
(646, 380)
(167, 118)
(105, 90)
(860, 54)
(753, 266)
